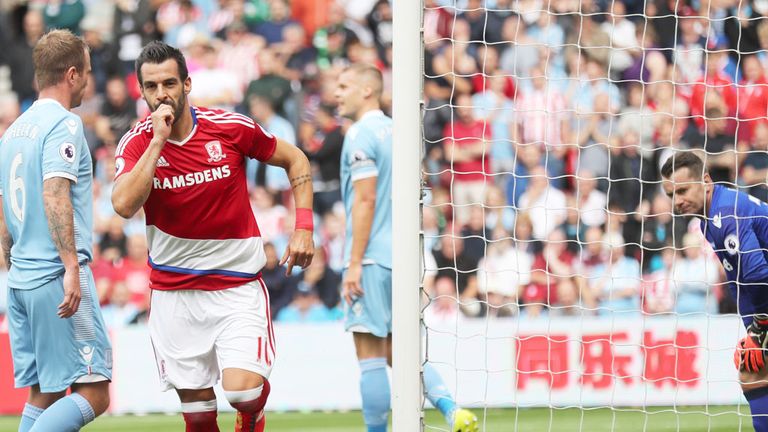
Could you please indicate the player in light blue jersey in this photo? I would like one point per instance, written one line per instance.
(736, 225)
(58, 337)
(366, 188)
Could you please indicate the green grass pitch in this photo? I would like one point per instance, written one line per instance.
(686, 419)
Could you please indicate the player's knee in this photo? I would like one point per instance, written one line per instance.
(251, 401)
(43, 400)
(97, 397)
(369, 346)
(101, 404)
(195, 395)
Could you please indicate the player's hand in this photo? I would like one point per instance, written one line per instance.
(351, 287)
(72, 293)
(300, 250)
(750, 352)
(162, 122)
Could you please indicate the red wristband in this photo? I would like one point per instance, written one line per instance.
(305, 219)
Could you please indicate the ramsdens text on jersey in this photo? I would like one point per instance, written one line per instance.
(192, 179)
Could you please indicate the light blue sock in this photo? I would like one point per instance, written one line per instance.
(438, 393)
(29, 416)
(68, 414)
(374, 388)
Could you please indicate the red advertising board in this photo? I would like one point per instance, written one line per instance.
(11, 399)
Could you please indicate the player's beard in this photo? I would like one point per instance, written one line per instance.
(178, 108)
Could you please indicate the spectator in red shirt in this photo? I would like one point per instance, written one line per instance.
(716, 81)
(312, 14)
(752, 98)
(467, 144)
(552, 276)
(133, 271)
(488, 68)
(438, 21)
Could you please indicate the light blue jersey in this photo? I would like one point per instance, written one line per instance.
(46, 141)
(367, 153)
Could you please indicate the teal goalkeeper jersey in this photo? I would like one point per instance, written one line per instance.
(367, 152)
(46, 141)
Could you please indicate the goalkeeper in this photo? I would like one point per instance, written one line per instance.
(736, 224)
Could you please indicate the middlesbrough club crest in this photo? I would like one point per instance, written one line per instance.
(214, 151)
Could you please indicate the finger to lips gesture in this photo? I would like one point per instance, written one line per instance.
(162, 121)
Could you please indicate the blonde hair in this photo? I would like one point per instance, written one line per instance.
(54, 54)
(370, 73)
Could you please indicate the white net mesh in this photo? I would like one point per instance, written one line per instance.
(556, 276)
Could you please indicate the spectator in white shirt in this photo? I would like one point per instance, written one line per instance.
(623, 39)
(694, 276)
(502, 274)
(545, 204)
(214, 86)
(590, 201)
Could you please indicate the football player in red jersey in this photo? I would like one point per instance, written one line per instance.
(185, 166)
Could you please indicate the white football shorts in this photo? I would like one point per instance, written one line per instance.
(197, 333)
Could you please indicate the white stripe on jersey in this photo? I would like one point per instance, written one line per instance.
(227, 121)
(137, 130)
(63, 174)
(364, 175)
(222, 118)
(235, 255)
(227, 114)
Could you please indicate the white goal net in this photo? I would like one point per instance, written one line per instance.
(562, 293)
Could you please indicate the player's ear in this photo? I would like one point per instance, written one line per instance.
(70, 74)
(141, 92)
(367, 91)
(187, 85)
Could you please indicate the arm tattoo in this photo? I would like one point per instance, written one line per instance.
(300, 180)
(58, 209)
(6, 242)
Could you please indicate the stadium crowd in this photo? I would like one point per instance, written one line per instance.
(545, 125)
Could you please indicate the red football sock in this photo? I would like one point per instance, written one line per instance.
(250, 414)
(250, 422)
(201, 421)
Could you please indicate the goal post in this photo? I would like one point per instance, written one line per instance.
(406, 216)
(556, 276)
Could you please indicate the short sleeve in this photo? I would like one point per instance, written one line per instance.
(129, 151)
(743, 251)
(361, 157)
(255, 142)
(62, 149)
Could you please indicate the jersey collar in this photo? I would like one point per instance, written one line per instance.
(45, 101)
(715, 195)
(372, 113)
(191, 133)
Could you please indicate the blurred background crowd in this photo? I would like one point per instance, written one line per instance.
(545, 124)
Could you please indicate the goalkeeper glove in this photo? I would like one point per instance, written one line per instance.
(750, 352)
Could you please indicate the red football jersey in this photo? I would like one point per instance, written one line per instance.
(201, 230)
